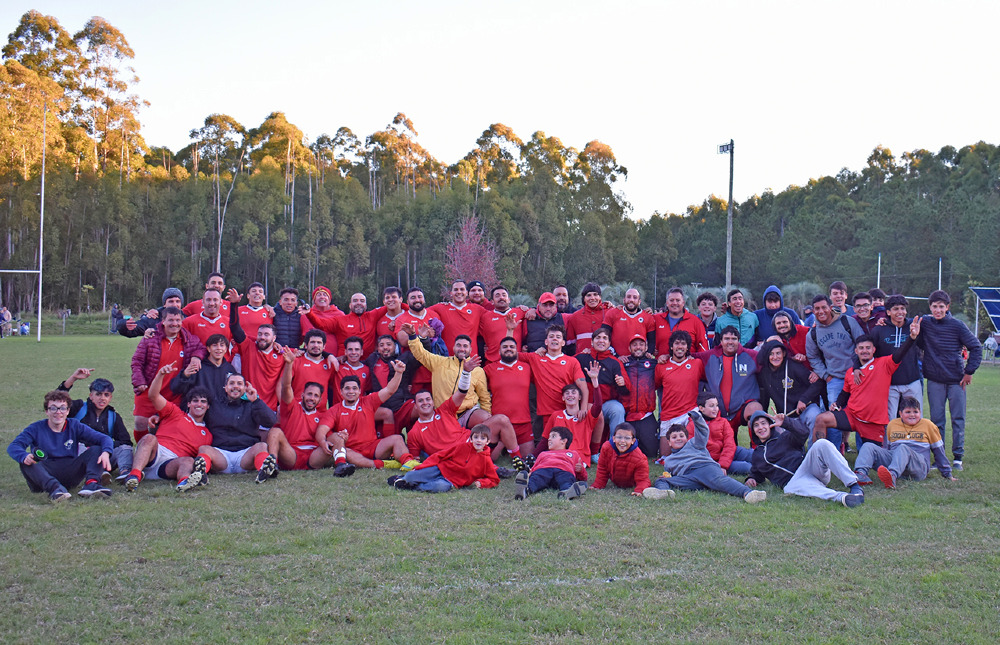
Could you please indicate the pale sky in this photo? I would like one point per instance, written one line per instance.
(804, 88)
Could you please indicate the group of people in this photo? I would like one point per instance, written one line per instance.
(444, 393)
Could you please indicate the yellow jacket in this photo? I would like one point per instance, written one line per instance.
(445, 371)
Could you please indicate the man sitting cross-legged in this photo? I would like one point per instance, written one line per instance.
(170, 452)
(350, 425)
(293, 440)
(235, 423)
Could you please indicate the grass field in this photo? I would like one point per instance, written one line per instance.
(310, 558)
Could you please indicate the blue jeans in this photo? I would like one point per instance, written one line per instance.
(428, 480)
(741, 461)
(833, 389)
(543, 478)
(708, 476)
(614, 413)
(951, 393)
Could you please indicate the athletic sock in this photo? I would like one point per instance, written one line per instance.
(405, 458)
(89, 482)
(516, 452)
(378, 464)
(135, 472)
(258, 460)
(340, 456)
(388, 429)
(208, 461)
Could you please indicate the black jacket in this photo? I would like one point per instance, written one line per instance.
(234, 424)
(779, 457)
(791, 375)
(118, 433)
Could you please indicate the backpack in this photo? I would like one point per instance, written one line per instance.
(847, 328)
(83, 412)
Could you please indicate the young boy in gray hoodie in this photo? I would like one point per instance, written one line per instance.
(689, 466)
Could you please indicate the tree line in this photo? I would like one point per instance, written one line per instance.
(356, 213)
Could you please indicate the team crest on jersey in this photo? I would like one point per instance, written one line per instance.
(182, 353)
(68, 444)
(569, 454)
(274, 356)
(315, 419)
(468, 311)
(203, 433)
(688, 366)
(520, 368)
(645, 364)
(562, 362)
(325, 366)
(437, 417)
(787, 383)
(222, 325)
(641, 319)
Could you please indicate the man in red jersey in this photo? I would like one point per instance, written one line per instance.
(210, 320)
(388, 324)
(261, 360)
(627, 321)
(350, 425)
(679, 377)
(417, 315)
(352, 366)
(311, 366)
(493, 324)
(460, 317)
(256, 312)
(550, 371)
(217, 282)
(581, 324)
(510, 381)
(293, 439)
(862, 406)
(358, 321)
(677, 318)
(324, 309)
(169, 344)
(170, 452)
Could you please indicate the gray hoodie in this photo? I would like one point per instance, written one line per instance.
(832, 353)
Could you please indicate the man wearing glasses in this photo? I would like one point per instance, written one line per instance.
(47, 452)
(863, 312)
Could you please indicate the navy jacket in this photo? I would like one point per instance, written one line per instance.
(942, 342)
(779, 457)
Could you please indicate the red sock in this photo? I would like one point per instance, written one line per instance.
(405, 458)
(135, 472)
(258, 460)
(378, 463)
(516, 452)
(208, 461)
(340, 460)
(388, 429)
(89, 481)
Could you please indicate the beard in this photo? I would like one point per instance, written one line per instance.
(417, 306)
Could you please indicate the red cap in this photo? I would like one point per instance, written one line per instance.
(546, 297)
(329, 294)
(636, 337)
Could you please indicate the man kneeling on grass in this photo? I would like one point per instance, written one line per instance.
(463, 464)
(621, 462)
(690, 466)
(912, 439)
(558, 467)
(169, 451)
(778, 457)
(48, 453)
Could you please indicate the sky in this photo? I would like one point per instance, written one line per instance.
(803, 88)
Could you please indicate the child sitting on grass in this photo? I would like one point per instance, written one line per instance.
(689, 466)
(912, 439)
(558, 467)
(778, 457)
(464, 464)
(734, 459)
(623, 463)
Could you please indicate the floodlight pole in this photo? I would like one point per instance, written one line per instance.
(41, 224)
(729, 216)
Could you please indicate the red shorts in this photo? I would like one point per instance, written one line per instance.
(739, 419)
(403, 417)
(301, 457)
(847, 422)
(523, 432)
(143, 406)
(366, 450)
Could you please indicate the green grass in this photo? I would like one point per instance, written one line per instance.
(311, 558)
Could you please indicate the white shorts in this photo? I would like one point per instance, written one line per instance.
(233, 459)
(665, 425)
(163, 455)
(463, 419)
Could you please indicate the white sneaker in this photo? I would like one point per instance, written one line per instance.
(658, 493)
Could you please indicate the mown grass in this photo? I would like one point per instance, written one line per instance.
(311, 558)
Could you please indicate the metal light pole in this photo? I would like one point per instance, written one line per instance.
(41, 224)
(723, 149)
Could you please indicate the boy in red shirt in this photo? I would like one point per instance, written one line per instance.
(558, 467)
(623, 463)
(464, 464)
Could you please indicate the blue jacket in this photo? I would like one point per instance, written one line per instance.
(942, 342)
(57, 444)
(765, 328)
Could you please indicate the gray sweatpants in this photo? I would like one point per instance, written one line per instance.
(813, 474)
(902, 461)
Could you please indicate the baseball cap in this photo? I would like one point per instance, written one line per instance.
(546, 297)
